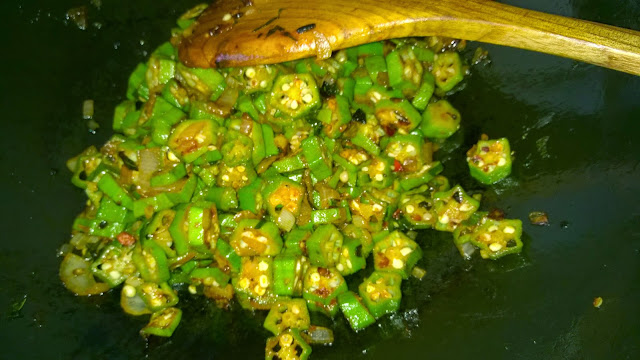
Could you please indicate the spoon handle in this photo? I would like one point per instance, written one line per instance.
(344, 23)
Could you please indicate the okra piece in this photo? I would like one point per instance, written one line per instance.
(356, 313)
(322, 285)
(447, 70)
(254, 283)
(208, 82)
(490, 160)
(453, 207)
(287, 314)
(334, 116)
(281, 193)
(351, 257)
(381, 293)
(398, 116)
(151, 262)
(252, 238)
(192, 138)
(288, 271)
(317, 157)
(417, 211)
(294, 95)
(288, 345)
(497, 238)
(114, 264)
(396, 253)
(440, 120)
(157, 296)
(323, 246)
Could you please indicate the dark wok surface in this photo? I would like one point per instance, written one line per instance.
(574, 128)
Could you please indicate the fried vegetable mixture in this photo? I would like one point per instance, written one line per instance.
(271, 185)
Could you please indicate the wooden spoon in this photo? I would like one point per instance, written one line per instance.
(251, 32)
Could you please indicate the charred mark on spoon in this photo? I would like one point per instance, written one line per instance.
(269, 21)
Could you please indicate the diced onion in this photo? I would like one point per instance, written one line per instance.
(286, 220)
(87, 109)
(77, 277)
(467, 250)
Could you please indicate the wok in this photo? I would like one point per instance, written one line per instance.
(574, 128)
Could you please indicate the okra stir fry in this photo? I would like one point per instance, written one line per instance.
(271, 185)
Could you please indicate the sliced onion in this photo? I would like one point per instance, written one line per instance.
(467, 249)
(149, 164)
(133, 305)
(77, 277)
(286, 220)
(358, 221)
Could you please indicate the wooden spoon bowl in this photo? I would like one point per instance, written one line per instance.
(251, 32)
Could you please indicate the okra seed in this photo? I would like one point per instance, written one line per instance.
(340, 267)
(248, 234)
(502, 162)
(466, 207)
(263, 84)
(411, 149)
(426, 216)
(295, 309)
(377, 207)
(349, 265)
(244, 178)
(397, 264)
(293, 105)
(241, 168)
(156, 302)
(307, 98)
(106, 266)
(284, 101)
(200, 138)
(406, 201)
(192, 289)
(129, 291)
(263, 266)
(115, 274)
(410, 209)
(171, 156)
(444, 219)
(495, 247)
(285, 87)
(260, 290)
(286, 340)
(375, 296)
(377, 95)
(370, 288)
(243, 244)
(334, 284)
(225, 177)
(406, 251)
(264, 281)
(509, 230)
(250, 72)
(380, 166)
(244, 283)
(315, 277)
(262, 239)
(226, 17)
(379, 177)
(493, 228)
(344, 176)
(208, 280)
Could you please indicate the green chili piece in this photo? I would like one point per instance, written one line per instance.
(163, 323)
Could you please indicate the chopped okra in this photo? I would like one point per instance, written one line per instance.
(274, 186)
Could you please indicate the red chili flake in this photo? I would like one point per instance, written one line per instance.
(324, 272)
(485, 149)
(397, 214)
(384, 261)
(496, 214)
(126, 239)
(389, 130)
(397, 166)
